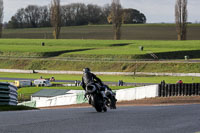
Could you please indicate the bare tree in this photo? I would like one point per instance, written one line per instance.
(116, 15)
(1, 17)
(181, 19)
(56, 17)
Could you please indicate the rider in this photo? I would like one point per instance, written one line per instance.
(89, 78)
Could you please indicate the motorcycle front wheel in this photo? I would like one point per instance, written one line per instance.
(96, 103)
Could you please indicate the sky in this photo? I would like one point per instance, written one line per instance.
(156, 11)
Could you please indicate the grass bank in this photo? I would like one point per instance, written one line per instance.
(37, 64)
(15, 108)
(99, 49)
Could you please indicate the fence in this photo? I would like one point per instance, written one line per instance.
(167, 90)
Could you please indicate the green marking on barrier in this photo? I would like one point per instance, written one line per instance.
(80, 98)
(29, 104)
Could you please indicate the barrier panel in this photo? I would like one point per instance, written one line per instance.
(29, 104)
(137, 93)
(80, 98)
(57, 101)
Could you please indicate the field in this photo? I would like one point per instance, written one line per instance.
(129, 32)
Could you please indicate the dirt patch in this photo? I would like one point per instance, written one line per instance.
(180, 100)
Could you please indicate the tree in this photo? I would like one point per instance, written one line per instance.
(133, 16)
(181, 19)
(30, 17)
(1, 17)
(130, 16)
(116, 14)
(94, 14)
(56, 17)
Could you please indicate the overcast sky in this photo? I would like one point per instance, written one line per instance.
(155, 10)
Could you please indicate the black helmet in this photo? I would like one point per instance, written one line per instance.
(86, 70)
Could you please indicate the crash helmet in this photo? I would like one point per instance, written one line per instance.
(86, 70)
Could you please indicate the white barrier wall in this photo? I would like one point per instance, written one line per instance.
(56, 101)
(137, 93)
(122, 95)
(69, 98)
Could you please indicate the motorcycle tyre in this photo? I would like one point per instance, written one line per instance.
(95, 103)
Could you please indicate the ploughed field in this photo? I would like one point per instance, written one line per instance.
(129, 32)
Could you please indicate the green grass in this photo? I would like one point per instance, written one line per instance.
(14, 108)
(97, 50)
(106, 78)
(50, 64)
(101, 49)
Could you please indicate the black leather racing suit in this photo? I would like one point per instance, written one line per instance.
(89, 78)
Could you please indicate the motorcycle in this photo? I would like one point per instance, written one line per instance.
(96, 99)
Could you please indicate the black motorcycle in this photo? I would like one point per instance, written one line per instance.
(96, 99)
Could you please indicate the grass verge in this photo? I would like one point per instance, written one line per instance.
(156, 66)
(15, 108)
(106, 78)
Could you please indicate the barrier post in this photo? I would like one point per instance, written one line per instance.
(198, 89)
(190, 89)
(175, 90)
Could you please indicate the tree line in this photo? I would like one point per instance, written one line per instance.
(74, 14)
(80, 14)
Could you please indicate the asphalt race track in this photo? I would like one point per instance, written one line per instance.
(144, 119)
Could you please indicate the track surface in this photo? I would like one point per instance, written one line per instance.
(140, 119)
